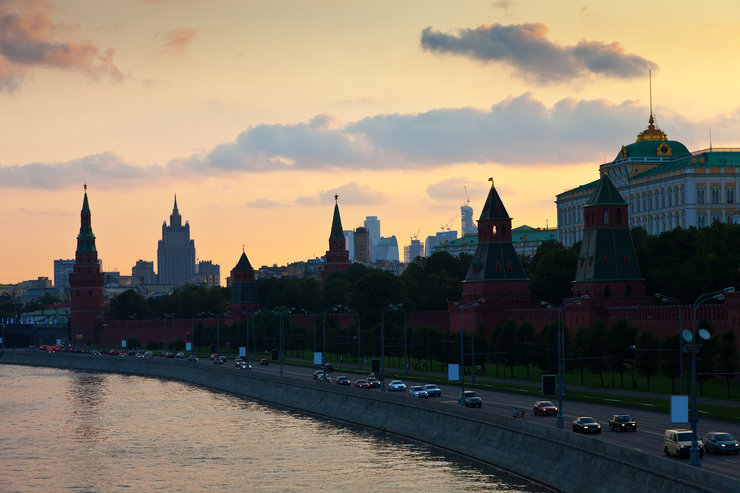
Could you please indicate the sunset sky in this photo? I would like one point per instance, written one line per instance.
(255, 113)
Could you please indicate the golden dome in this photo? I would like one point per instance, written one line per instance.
(652, 132)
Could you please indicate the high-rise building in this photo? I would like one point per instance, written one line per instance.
(415, 249)
(372, 224)
(385, 250)
(62, 269)
(175, 251)
(362, 245)
(144, 271)
(349, 240)
(337, 257)
(86, 282)
(466, 221)
(438, 238)
(213, 272)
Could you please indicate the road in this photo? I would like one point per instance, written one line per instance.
(651, 425)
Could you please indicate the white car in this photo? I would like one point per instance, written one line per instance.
(397, 385)
(433, 390)
(418, 391)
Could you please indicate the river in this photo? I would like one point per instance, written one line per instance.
(91, 432)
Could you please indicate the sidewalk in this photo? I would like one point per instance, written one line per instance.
(531, 383)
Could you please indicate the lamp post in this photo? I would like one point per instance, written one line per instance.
(464, 307)
(695, 345)
(92, 321)
(246, 349)
(405, 343)
(164, 331)
(390, 308)
(561, 353)
(192, 331)
(323, 353)
(310, 312)
(359, 353)
(127, 319)
(674, 301)
(281, 313)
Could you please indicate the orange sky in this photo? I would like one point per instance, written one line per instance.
(256, 113)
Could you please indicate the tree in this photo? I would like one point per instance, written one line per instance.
(618, 342)
(594, 346)
(647, 358)
(523, 338)
(670, 363)
(728, 356)
(553, 274)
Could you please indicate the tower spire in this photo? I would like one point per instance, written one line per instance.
(650, 77)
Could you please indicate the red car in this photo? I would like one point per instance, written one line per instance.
(362, 384)
(544, 408)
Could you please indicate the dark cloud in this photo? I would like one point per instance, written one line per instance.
(527, 50)
(28, 39)
(176, 40)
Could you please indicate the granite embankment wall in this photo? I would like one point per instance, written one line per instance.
(558, 459)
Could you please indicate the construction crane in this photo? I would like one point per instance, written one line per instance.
(467, 199)
(416, 236)
(447, 226)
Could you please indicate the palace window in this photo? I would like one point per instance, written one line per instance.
(662, 199)
(715, 196)
(700, 196)
(683, 194)
(730, 196)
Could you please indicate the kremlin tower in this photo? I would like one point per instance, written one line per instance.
(337, 257)
(86, 283)
(244, 299)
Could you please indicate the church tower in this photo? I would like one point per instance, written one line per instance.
(337, 257)
(244, 298)
(86, 283)
(495, 272)
(607, 264)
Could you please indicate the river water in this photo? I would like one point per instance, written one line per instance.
(88, 432)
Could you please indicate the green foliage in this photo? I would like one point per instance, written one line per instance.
(433, 281)
(727, 356)
(647, 358)
(554, 269)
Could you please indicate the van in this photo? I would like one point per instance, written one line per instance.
(678, 443)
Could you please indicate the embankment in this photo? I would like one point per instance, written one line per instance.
(559, 459)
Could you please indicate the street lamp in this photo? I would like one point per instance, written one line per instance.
(359, 354)
(690, 337)
(282, 345)
(192, 330)
(561, 353)
(674, 301)
(92, 321)
(246, 349)
(405, 343)
(127, 319)
(310, 312)
(390, 308)
(464, 307)
(323, 354)
(164, 331)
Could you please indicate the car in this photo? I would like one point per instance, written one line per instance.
(343, 381)
(140, 355)
(678, 442)
(31, 348)
(264, 362)
(218, 361)
(329, 368)
(246, 366)
(212, 357)
(622, 422)
(238, 362)
(397, 385)
(433, 390)
(471, 399)
(180, 355)
(193, 358)
(721, 442)
(586, 424)
(544, 408)
(373, 382)
(170, 355)
(131, 352)
(362, 384)
(318, 374)
(148, 354)
(418, 391)
(113, 352)
(95, 353)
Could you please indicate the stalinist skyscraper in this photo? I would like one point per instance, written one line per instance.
(175, 251)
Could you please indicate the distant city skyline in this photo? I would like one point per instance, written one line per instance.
(257, 113)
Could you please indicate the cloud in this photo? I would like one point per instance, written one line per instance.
(526, 49)
(264, 204)
(176, 40)
(28, 40)
(453, 189)
(105, 170)
(351, 193)
(506, 6)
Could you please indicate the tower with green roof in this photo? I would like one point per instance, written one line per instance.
(337, 257)
(86, 283)
(607, 264)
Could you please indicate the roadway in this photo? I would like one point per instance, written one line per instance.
(651, 425)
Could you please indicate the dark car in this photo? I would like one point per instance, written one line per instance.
(329, 368)
(471, 399)
(373, 382)
(586, 425)
(721, 442)
(194, 359)
(343, 381)
(544, 408)
(362, 384)
(622, 422)
(264, 362)
(238, 362)
(318, 374)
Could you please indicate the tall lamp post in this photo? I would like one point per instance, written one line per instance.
(390, 308)
(323, 353)
(164, 331)
(695, 345)
(359, 354)
(561, 354)
(463, 307)
(405, 343)
(310, 312)
(246, 349)
(282, 346)
(674, 301)
(192, 331)
(127, 319)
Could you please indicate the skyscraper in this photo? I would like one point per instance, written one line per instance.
(175, 251)
(466, 218)
(372, 224)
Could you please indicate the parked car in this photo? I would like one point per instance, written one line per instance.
(544, 408)
(721, 442)
(678, 442)
(433, 390)
(471, 399)
(343, 381)
(373, 382)
(622, 422)
(193, 358)
(397, 385)
(264, 362)
(418, 391)
(329, 368)
(586, 425)
(318, 374)
(362, 384)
